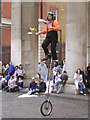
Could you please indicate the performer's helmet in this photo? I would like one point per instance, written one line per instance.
(52, 14)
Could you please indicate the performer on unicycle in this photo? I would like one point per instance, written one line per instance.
(51, 37)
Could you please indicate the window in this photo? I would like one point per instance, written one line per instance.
(54, 10)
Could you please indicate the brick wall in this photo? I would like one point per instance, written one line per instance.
(6, 9)
(6, 32)
(41, 38)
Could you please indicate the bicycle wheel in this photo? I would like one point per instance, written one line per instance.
(46, 108)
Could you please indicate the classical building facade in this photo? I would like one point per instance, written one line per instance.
(24, 48)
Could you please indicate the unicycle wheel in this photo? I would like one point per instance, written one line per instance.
(46, 108)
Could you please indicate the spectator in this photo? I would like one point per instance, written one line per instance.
(20, 72)
(11, 69)
(84, 73)
(19, 85)
(15, 73)
(64, 66)
(2, 68)
(5, 85)
(58, 66)
(88, 72)
(64, 78)
(11, 85)
(38, 70)
(88, 77)
(32, 86)
(78, 78)
(6, 70)
(7, 77)
(0, 82)
(54, 73)
(57, 79)
(40, 88)
(43, 71)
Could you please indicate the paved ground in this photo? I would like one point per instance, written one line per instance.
(14, 107)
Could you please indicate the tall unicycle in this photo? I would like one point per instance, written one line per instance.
(46, 106)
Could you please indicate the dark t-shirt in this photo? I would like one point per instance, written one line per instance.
(33, 85)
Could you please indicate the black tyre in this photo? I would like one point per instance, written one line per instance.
(46, 108)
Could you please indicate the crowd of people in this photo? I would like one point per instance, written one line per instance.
(11, 78)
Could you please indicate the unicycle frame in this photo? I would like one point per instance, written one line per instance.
(47, 101)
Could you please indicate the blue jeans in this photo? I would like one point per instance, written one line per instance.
(28, 90)
(44, 78)
(80, 84)
(20, 88)
(59, 88)
(0, 86)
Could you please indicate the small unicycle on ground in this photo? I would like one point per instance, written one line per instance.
(46, 106)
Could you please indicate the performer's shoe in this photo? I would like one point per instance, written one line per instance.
(46, 58)
(54, 61)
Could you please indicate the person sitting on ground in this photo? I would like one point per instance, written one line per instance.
(11, 69)
(32, 86)
(61, 82)
(7, 77)
(84, 73)
(11, 85)
(15, 73)
(0, 82)
(64, 78)
(6, 70)
(20, 72)
(40, 88)
(54, 72)
(78, 78)
(58, 66)
(19, 85)
(88, 77)
(5, 84)
(57, 79)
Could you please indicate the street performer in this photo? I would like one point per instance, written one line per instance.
(51, 37)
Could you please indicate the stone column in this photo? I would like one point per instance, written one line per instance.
(24, 47)
(29, 42)
(76, 37)
(16, 33)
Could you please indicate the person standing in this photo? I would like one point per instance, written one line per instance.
(43, 71)
(64, 66)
